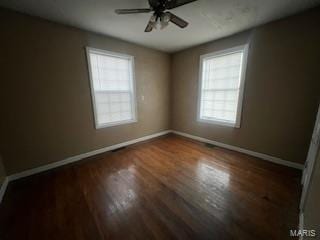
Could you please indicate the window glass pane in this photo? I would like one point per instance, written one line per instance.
(220, 87)
(112, 84)
(110, 73)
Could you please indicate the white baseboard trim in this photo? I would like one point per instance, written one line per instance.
(109, 148)
(3, 188)
(301, 224)
(82, 156)
(242, 150)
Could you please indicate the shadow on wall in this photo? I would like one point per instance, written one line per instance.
(2, 172)
(312, 209)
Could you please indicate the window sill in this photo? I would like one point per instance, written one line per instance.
(221, 123)
(106, 125)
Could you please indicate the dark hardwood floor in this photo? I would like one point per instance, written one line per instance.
(167, 188)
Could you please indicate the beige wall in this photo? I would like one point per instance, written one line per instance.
(281, 89)
(45, 94)
(46, 103)
(2, 171)
(311, 210)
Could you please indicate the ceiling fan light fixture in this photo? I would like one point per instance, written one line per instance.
(163, 25)
(153, 21)
(164, 20)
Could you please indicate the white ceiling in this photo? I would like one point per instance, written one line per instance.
(209, 19)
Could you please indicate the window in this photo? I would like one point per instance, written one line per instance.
(221, 86)
(112, 87)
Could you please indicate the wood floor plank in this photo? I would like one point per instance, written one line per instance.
(167, 188)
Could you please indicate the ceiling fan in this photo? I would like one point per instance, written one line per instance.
(160, 15)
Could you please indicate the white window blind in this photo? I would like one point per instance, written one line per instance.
(112, 87)
(222, 86)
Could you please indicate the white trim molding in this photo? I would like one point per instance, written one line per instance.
(243, 66)
(130, 142)
(301, 224)
(132, 91)
(112, 147)
(242, 150)
(3, 188)
(82, 156)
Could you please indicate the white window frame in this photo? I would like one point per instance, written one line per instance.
(132, 81)
(243, 48)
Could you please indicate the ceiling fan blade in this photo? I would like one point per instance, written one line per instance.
(170, 4)
(132, 11)
(149, 27)
(178, 21)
